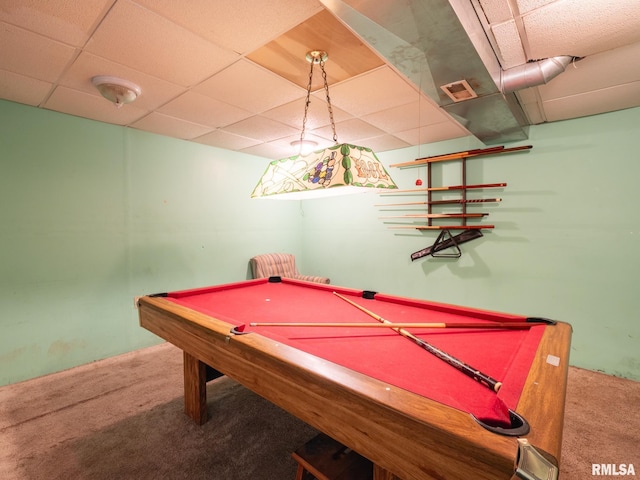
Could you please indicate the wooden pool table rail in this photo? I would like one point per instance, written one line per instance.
(402, 433)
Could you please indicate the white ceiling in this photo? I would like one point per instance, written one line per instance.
(191, 60)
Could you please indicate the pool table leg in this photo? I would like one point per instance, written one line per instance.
(380, 473)
(195, 389)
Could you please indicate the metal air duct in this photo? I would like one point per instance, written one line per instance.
(441, 47)
(534, 73)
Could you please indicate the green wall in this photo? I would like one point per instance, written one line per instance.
(92, 215)
(565, 246)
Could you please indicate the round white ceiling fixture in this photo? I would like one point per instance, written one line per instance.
(304, 146)
(116, 90)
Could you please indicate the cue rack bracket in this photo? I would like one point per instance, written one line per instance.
(446, 241)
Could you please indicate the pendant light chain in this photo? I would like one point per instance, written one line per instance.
(306, 105)
(317, 57)
(326, 89)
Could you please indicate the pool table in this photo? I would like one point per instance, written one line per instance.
(374, 389)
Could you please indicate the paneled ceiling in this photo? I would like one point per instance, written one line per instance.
(233, 74)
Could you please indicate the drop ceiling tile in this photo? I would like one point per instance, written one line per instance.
(289, 150)
(292, 113)
(146, 41)
(21, 89)
(383, 143)
(155, 92)
(81, 104)
(531, 103)
(250, 87)
(170, 126)
(432, 133)
(260, 128)
(496, 11)
(167, 49)
(241, 25)
(594, 102)
(509, 44)
(534, 112)
(595, 73)
(528, 95)
(525, 6)
(349, 131)
(372, 92)
(405, 117)
(221, 139)
(568, 28)
(31, 54)
(62, 20)
(267, 150)
(204, 110)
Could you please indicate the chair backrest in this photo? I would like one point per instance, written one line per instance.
(274, 264)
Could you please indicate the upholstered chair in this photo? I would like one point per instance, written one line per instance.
(280, 265)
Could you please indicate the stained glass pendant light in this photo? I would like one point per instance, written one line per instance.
(337, 170)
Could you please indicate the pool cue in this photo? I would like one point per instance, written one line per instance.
(485, 325)
(447, 156)
(461, 155)
(438, 215)
(457, 155)
(445, 188)
(443, 227)
(440, 202)
(478, 376)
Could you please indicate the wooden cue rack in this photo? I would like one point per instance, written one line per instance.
(445, 239)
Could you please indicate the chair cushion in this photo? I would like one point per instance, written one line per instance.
(282, 265)
(270, 264)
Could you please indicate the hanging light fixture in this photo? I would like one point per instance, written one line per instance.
(116, 90)
(337, 170)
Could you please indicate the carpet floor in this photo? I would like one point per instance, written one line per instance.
(122, 418)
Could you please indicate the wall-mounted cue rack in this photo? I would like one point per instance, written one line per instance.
(445, 239)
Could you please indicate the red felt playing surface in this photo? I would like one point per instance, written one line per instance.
(505, 355)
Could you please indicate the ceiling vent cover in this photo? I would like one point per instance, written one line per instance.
(459, 91)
